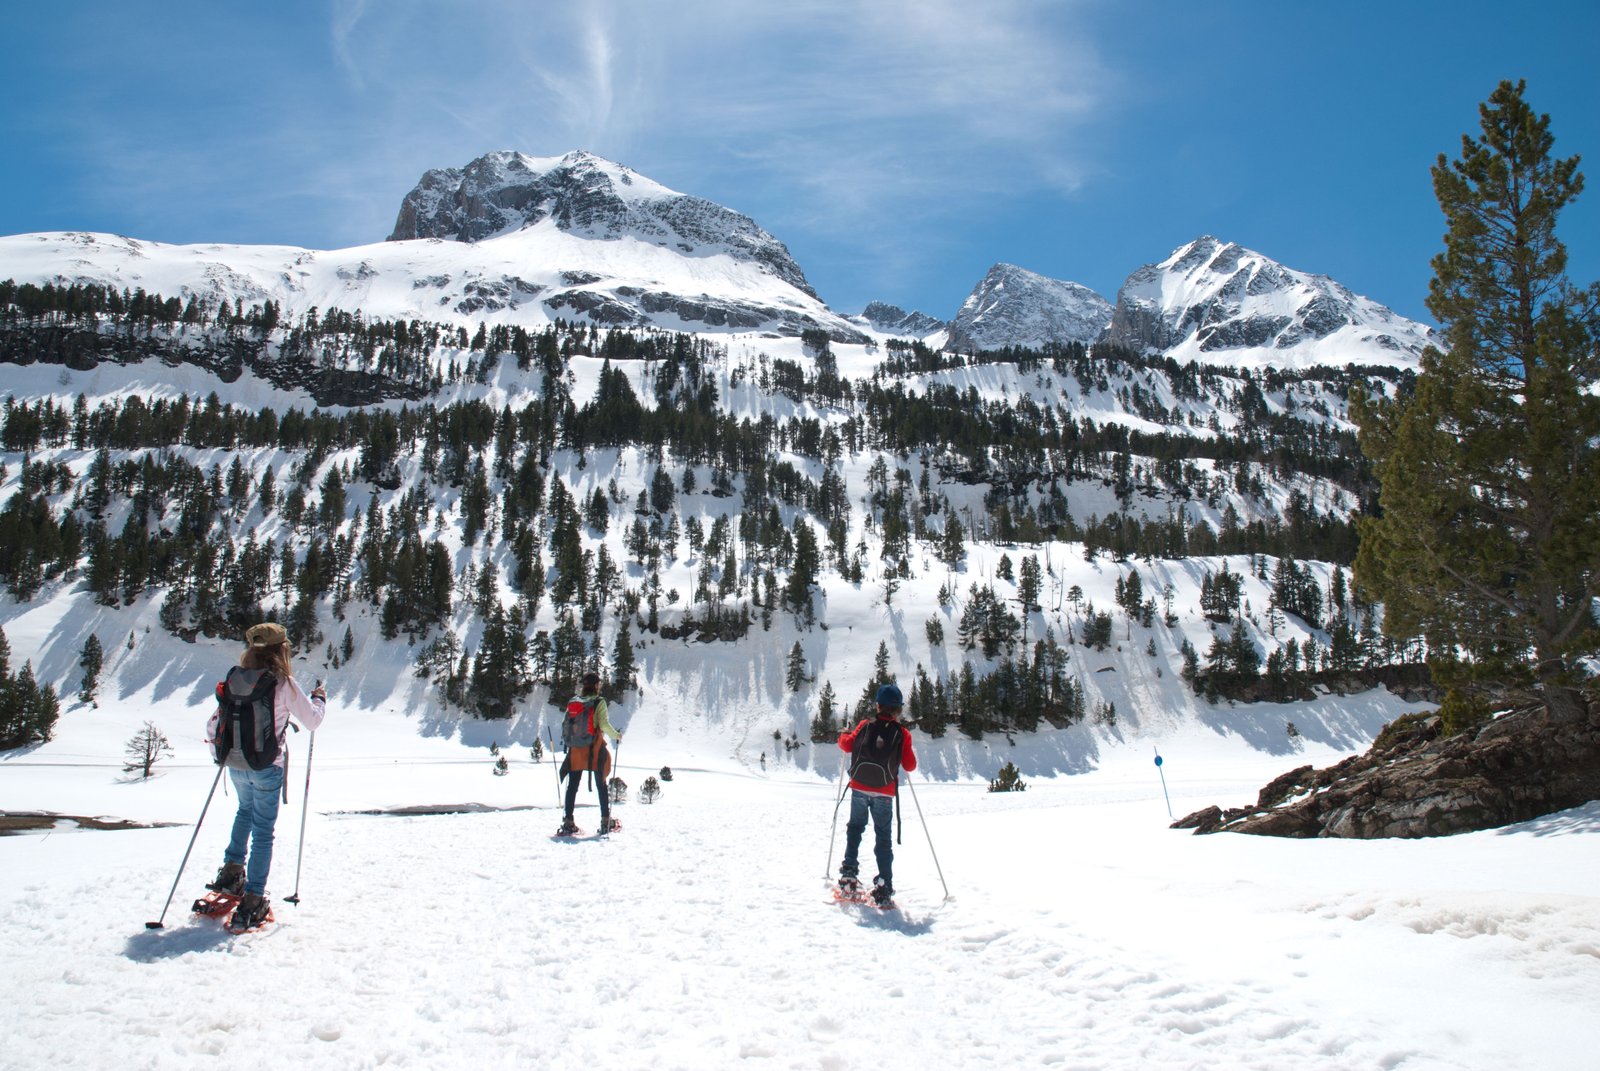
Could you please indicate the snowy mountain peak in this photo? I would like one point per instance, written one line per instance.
(893, 320)
(586, 195)
(1217, 301)
(1012, 306)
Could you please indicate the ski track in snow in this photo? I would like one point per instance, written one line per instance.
(702, 935)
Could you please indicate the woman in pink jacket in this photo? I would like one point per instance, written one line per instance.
(258, 789)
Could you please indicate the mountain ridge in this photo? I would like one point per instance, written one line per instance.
(523, 241)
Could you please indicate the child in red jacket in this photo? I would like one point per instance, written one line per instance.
(879, 749)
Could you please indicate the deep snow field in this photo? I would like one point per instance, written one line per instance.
(1079, 931)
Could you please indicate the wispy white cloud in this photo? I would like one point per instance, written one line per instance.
(861, 124)
(851, 109)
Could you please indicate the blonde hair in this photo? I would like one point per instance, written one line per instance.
(276, 658)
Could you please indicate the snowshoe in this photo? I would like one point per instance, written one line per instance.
(849, 891)
(215, 905)
(229, 879)
(569, 828)
(609, 826)
(252, 913)
(882, 895)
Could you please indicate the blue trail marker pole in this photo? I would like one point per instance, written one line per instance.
(1163, 774)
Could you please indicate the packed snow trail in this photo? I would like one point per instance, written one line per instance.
(697, 937)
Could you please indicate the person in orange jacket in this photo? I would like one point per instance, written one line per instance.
(879, 749)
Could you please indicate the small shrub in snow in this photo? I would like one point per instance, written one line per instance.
(1009, 780)
(145, 748)
(650, 790)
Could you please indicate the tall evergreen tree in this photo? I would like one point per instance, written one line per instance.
(90, 658)
(795, 675)
(1490, 470)
(622, 659)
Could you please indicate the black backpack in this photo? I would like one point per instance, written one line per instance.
(578, 728)
(247, 731)
(875, 760)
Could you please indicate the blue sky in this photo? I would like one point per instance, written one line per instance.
(899, 148)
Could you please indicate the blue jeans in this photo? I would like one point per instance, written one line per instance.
(882, 810)
(258, 792)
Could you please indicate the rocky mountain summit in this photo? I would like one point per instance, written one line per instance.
(1217, 301)
(1012, 306)
(585, 195)
(893, 320)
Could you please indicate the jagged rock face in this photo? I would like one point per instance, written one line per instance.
(1016, 307)
(1414, 783)
(893, 320)
(585, 195)
(1217, 300)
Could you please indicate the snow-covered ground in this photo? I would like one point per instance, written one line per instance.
(1079, 931)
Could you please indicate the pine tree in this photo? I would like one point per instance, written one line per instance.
(1490, 470)
(795, 675)
(823, 729)
(91, 659)
(622, 660)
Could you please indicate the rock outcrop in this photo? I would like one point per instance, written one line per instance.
(586, 195)
(893, 320)
(1416, 782)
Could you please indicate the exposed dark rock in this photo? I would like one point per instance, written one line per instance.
(893, 320)
(583, 194)
(226, 358)
(600, 307)
(1416, 782)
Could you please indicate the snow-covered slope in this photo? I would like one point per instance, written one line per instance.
(1012, 306)
(512, 239)
(1218, 302)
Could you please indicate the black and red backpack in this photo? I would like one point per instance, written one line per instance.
(875, 759)
(578, 728)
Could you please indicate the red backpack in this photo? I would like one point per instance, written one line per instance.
(578, 728)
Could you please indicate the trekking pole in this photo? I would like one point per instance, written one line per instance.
(299, 856)
(833, 832)
(555, 766)
(159, 923)
(925, 833)
(1163, 774)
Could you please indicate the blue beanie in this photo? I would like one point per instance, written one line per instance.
(889, 696)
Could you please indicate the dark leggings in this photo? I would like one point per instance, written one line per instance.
(574, 777)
